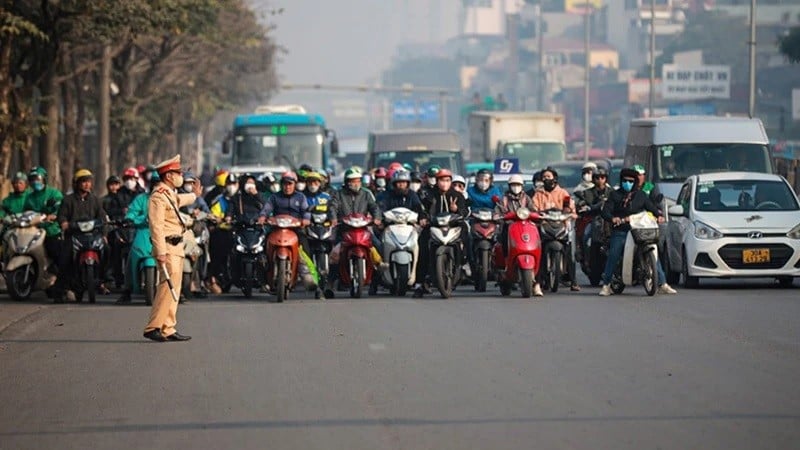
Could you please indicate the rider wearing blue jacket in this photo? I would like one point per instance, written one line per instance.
(314, 193)
(483, 190)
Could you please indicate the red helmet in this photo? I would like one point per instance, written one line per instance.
(141, 169)
(289, 177)
(444, 173)
(130, 172)
(381, 173)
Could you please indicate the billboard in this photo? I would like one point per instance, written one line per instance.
(695, 82)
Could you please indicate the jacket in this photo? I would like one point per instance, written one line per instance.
(14, 203)
(46, 201)
(440, 203)
(319, 198)
(75, 208)
(120, 202)
(595, 198)
(245, 207)
(393, 199)
(164, 219)
(483, 199)
(510, 202)
(346, 202)
(555, 199)
(294, 205)
(622, 204)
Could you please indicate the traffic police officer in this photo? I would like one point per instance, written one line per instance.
(166, 234)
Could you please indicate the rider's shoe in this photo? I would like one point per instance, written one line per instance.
(537, 290)
(666, 289)
(605, 291)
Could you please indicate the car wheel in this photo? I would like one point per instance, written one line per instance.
(688, 281)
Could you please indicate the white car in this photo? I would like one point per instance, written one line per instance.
(734, 224)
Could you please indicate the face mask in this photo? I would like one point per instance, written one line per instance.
(355, 187)
(274, 187)
(515, 189)
(587, 177)
(231, 189)
(178, 180)
(313, 188)
(538, 185)
(131, 184)
(549, 185)
(381, 182)
(37, 185)
(250, 188)
(301, 186)
(432, 181)
(415, 185)
(627, 185)
(483, 185)
(188, 187)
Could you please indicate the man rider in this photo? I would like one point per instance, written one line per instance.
(400, 196)
(141, 247)
(646, 186)
(80, 205)
(553, 196)
(628, 199)
(314, 193)
(416, 181)
(220, 239)
(113, 185)
(483, 191)
(14, 203)
(444, 199)
(46, 200)
(429, 188)
(593, 201)
(192, 185)
(587, 181)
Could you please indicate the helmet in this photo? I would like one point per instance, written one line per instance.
(396, 166)
(81, 174)
(141, 168)
(459, 179)
(305, 168)
(288, 177)
(189, 176)
(20, 176)
(230, 179)
(113, 179)
(130, 172)
(589, 165)
(639, 169)
(433, 170)
(314, 176)
(600, 172)
(516, 179)
(352, 173)
(36, 172)
(302, 174)
(415, 176)
(484, 172)
(154, 177)
(444, 173)
(401, 175)
(221, 178)
(381, 173)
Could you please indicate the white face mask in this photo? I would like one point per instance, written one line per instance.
(515, 189)
(313, 188)
(250, 188)
(231, 189)
(432, 181)
(131, 184)
(275, 188)
(587, 177)
(415, 185)
(188, 187)
(381, 182)
(301, 186)
(483, 185)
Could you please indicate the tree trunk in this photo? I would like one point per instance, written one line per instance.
(104, 122)
(68, 96)
(48, 150)
(6, 139)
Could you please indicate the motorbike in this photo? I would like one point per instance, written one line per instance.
(26, 263)
(248, 259)
(283, 254)
(446, 249)
(595, 252)
(200, 259)
(88, 245)
(320, 242)
(122, 234)
(524, 253)
(554, 234)
(400, 249)
(355, 264)
(640, 257)
(484, 236)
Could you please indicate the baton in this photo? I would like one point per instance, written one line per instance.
(169, 282)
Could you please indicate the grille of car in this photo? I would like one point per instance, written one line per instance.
(732, 255)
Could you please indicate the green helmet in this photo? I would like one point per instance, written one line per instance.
(433, 170)
(352, 173)
(38, 171)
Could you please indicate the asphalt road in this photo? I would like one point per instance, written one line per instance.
(709, 368)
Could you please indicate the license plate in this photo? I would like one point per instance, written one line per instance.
(755, 256)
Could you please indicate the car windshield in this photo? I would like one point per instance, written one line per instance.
(421, 160)
(533, 156)
(255, 148)
(679, 161)
(744, 195)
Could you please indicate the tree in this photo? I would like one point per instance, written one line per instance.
(789, 45)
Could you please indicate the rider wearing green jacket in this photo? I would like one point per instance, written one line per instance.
(15, 202)
(46, 200)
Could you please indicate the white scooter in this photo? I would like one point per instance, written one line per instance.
(400, 249)
(640, 257)
(26, 267)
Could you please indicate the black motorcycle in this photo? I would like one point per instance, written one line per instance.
(446, 250)
(320, 242)
(248, 259)
(121, 235)
(88, 246)
(554, 233)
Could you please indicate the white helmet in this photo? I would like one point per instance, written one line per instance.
(590, 165)
(516, 179)
(459, 179)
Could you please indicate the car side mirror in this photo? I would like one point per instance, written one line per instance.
(676, 210)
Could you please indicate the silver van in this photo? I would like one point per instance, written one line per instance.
(676, 147)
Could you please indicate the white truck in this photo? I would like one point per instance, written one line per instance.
(535, 139)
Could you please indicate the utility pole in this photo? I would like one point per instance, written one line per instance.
(586, 80)
(751, 110)
(540, 85)
(104, 131)
(652, 101)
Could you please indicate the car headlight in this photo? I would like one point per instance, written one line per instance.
(703, 231)
(794, 233)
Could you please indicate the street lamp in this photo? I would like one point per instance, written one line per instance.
(752, 100)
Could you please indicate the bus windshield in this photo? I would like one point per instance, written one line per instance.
(422, 159)
(282, 145)
(535, 155)
(678, 161)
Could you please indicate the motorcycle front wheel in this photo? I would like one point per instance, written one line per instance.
(444, 270)
(247, 280)
(483, 271)
(281, 289)
(18, 288)
(89, 283)
(526, 282)
(649, 270)
(356, 277)
(554, 266)
(401, 275)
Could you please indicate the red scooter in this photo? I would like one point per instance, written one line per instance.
(355, 262)
(283, 254)
(524, 253)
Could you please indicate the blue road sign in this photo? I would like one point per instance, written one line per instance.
(506, 165)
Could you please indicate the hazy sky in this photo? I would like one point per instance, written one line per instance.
(350, 41)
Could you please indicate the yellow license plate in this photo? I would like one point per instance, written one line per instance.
(755, 255)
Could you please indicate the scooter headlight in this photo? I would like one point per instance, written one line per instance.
(523, 213)
(258, 248)
(240, 248)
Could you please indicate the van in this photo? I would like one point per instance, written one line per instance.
(676, 147)
(420, 148)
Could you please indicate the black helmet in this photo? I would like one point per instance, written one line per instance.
(600, 172)
(113, 179)
(551, 170)
(483, 172)
(628, 173)
(415, 176)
